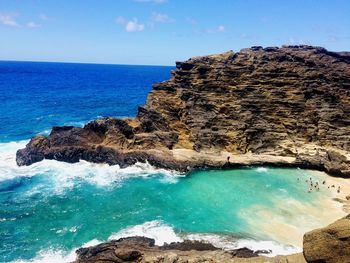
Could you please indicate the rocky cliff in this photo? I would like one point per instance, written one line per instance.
(281, 106)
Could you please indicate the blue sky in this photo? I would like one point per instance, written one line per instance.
(161, 32)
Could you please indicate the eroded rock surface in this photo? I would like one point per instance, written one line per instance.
(330, 244)
(287, 106)
(142, 249)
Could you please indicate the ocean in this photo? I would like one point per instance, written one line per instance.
(49, 209)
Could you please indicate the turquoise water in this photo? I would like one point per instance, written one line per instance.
(49, 209)
(53, 206)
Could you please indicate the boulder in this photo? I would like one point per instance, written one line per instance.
(330, 244)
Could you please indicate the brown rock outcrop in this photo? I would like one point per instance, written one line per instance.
(142, 249)
(284, 106)
(330, 244)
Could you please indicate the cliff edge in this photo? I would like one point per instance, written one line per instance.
(285, 106)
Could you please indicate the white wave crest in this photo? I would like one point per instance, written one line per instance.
(50, 256)
(261, 169)
(66, 175)
(275, 247)
(157, 230)
(163, 233)
(227, 242)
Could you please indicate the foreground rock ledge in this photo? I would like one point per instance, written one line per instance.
(142, 249)
(285, 106)
(330, 244)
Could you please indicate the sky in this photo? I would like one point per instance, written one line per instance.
(160, 32)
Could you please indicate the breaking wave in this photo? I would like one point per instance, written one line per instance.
(66, 175)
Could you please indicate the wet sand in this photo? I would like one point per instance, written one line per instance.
(286, 224)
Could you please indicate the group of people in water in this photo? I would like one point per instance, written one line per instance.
(316, 186)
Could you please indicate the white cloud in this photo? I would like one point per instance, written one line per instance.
(134, 26)
(120, 20)
(297, 41)
(43, 17)
(160, 18)
(131, 25)
(192, 21)
(220, 28)
(248, 36)
(152, 1)
(8, 20)
(32, 25)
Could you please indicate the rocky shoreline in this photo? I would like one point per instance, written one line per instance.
(143, 249)
(286, 106)
(330, 244)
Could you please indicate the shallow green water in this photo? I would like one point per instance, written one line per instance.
(54, 206)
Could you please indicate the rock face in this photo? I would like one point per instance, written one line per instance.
(287, 106)
(142, 249)
(330, 244)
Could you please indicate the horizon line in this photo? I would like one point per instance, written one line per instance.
(91, 63)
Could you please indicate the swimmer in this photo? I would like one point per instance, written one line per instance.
(324, 182)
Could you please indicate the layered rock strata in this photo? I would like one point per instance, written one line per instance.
(274, 106)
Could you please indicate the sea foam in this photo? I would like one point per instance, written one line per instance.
(156, 229)
(163, 233)
(66, 175)
(52, 255)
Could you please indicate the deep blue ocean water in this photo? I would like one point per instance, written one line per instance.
(35, 96)
(49, 209)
